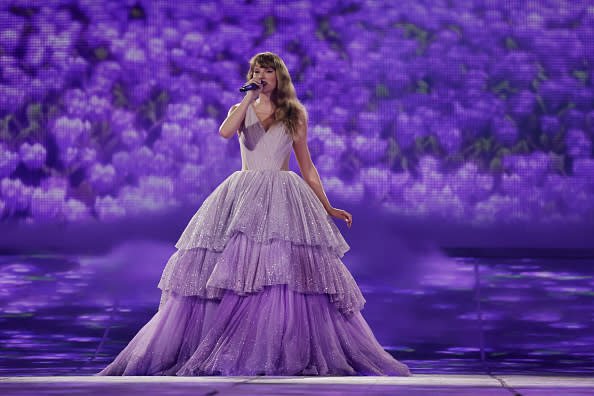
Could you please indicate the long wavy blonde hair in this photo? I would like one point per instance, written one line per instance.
(288, 107)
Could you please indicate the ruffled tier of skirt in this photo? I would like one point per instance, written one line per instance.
(274, 332)
(264, 205)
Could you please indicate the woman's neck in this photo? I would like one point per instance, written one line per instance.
(264, 100)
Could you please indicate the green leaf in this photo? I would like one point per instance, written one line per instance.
(581, 75)
(422, 87)
(541, 103)
(34, 112)
(382, 91)
(502, 86)
(521, 147)
(420, 145)
(486, 144)
(535, 84)
(118, 93)
(40, 278)
(270, 25)
(496, 164)
(393, 149)
(212, 111)
(101, 53)
(510, 44)
(456, 29)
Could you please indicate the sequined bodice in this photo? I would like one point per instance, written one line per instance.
(261, 149)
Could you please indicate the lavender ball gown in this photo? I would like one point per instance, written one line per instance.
(257, 285)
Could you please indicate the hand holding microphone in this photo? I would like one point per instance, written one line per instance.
(252, 87)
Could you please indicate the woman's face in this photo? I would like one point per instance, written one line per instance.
(267, 74)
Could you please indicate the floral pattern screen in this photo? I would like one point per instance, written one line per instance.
(475, 111)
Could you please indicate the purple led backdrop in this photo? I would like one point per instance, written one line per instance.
(476, 111)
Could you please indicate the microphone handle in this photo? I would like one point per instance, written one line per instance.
(250, 87)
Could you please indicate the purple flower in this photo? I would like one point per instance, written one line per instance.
(156, 187)
(578, 144)
(584, 168)
(108, 209)
(522, 104)
(55, 182)
(415, 197)
(87, 156)
(132, 138)
(505, 131)
(47, 205)
(75, 101)
(9, 39)
(326, 165)
(11, 98)
(512, 184)
(193, 43)
(376, 182)
(556, 93)
(33, 156)
(69, 131)
(181, 113)
(574, 119)
(163, 165)
(176, 136)
(69, 156)
(354, 192)
(102, 178)
(446, 204)
(190, 181)
(171, 36)
(191, 153)
(98, 109)
(157, 50)
(398, 181)
(122, 162)
(139, 93)
(16, 195)
(15, 76)
(448, 136)
(122, 120)
(35, 51)
(497, 209)
(430, 174)
(52, 77)
(370, 124)
(550, 125)
(408, 128)
(76, 211)
(104, 76)
(532, 167)
(142, 160)
(8, 161)
(471, 185)
(369, 150)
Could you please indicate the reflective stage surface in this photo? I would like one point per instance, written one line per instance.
(65, 315)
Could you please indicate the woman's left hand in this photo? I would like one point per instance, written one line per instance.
(342, 215)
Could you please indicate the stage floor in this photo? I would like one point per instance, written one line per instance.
(321, 386)
(464, 325)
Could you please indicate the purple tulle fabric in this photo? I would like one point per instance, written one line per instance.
(257, 285)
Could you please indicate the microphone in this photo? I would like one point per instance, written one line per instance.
(250, 87)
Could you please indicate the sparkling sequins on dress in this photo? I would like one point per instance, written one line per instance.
(257, 285)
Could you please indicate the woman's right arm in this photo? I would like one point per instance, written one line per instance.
(236, 116)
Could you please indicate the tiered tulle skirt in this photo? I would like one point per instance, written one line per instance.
(257, 286)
